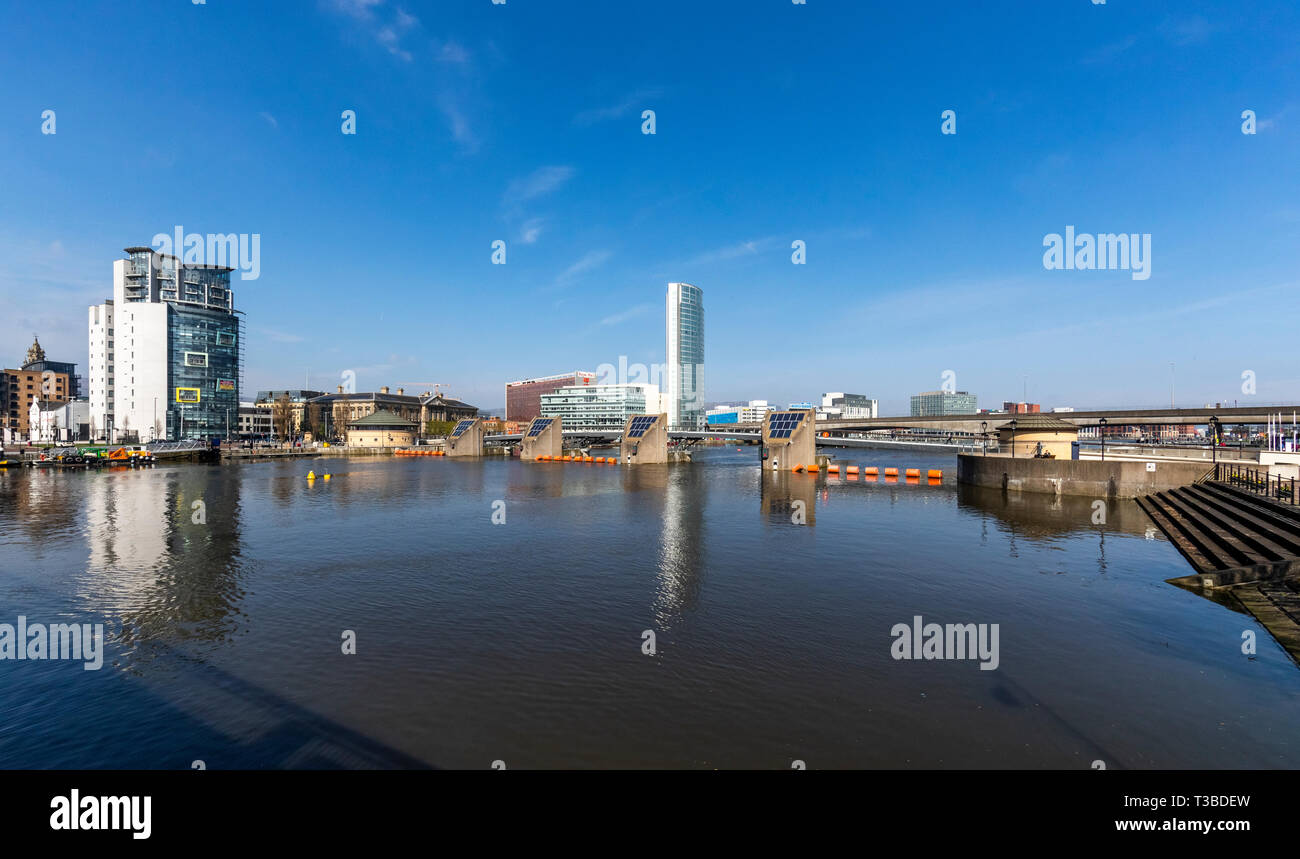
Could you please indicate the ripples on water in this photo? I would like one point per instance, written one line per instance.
(522, 642)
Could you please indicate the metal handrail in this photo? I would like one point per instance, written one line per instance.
(1258, 482)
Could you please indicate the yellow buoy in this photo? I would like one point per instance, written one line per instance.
(327, 477)
(311, 475)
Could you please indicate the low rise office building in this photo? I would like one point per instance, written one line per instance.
(930, 403)
(600, 407)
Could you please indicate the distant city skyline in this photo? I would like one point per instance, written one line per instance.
(896, 252)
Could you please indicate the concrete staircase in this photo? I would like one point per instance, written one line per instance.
(1220, 528)
(1244, 547)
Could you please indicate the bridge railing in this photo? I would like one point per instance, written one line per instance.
(1258, 481)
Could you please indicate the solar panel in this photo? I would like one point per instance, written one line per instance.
(460, 428)
(640, 425)
(782, 424)
(538, 426)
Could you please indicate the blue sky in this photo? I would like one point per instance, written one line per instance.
(775, 122)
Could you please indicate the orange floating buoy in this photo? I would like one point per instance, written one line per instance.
(814, 468)
(798, 468)
(600, 459)
(613, 460)
(832, 469)
(588, 459)
(914, 472)
(935, 474)
(870, 469)
(826, 435)
(891, 472)
(853, 469)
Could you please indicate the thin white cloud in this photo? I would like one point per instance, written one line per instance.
(270, 120)
(730, 252)
(1192, 30)
(623, 316)
(280, 336)
(530, 231)
(388, 25)
(453, 52)
(540, 182)
(637, 101)
(461, 131)
(1109, 52)
(590, 260)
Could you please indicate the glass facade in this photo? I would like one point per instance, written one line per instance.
(685, 355)
(204, 350)
(598, 407)
(943, 403)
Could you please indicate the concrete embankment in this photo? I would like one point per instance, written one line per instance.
(274, 453)
(1095, 478)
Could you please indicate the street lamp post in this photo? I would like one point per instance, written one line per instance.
(1214, 441)
(1102, 432)
(984, 434)
(1012, 424)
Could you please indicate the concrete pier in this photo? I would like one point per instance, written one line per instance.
(1094, 478)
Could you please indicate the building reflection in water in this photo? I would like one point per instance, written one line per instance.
(680, 560)
(785, 497)
(1039, 516)
(166, 568)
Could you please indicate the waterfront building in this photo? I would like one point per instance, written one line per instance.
(943, 403)
(837, 405)
(440, 407)
(1021, 408)
(524, 397)
(52, 421)
(166, 356)
(805, 406)
(600, 407)
(381, 429)
(255, 421)
(1027, 433)
(331, 415)
(267, 401)
(36, 362)
(38, 379)
(685, 356)
(751, 413)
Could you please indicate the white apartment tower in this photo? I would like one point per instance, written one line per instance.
(165, 351)
(685, 356)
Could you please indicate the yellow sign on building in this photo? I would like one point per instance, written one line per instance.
(187, 395)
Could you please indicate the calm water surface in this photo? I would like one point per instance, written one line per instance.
(522, 642)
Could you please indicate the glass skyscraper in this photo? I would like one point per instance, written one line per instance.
(165, 352)
(685, 353)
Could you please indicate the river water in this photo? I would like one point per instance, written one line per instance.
(525, 641)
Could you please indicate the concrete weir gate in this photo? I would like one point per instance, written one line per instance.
(789, 439)
(544, 437)
(645, 440)
(466, 439)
